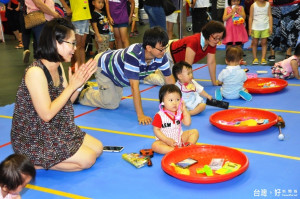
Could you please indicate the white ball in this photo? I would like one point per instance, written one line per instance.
(281, 137)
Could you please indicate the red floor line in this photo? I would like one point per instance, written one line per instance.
(200, 67)
(82, 114)
(8, 143)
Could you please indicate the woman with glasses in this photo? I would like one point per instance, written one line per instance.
(43, 126)
(196, 47)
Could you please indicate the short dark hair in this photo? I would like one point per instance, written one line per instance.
(55, 30)
(177, 68)
(234, 53)
(168, 88)
(213, 27)
(11, 169)
(297, 50)
(155, 35)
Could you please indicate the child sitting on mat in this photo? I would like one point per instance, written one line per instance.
(190, 89)
(16, 171)
(233, 77)
(288, 68)
(167, 122)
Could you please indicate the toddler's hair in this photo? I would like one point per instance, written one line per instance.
(177, 68)
(155, 35)
(234, 53)
(168, 88)
(297, 50)
(11, 169)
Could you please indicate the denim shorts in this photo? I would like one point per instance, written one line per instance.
(81, 27)
(120, 25)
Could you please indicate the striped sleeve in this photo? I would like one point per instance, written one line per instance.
(165, 67)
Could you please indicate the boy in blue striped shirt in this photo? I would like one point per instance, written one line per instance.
(126, 67)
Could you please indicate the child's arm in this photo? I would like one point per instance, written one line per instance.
(241, 12)
(163, 138)
(66, 7)
(186, 115)
(294, 64)
(193, 3)
(131, 10)
(9, 5)
(135, 90)
(270, 20)
(97, 34)
(18, 8)
(205, 94)
(111, 21)
(226, 15)
(16, 196)
(250, 19)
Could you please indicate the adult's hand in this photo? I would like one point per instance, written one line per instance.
(144, 120)
(82, 74)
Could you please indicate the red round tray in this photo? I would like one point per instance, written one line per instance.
(231, 114)
(204, 154)
(252, 85)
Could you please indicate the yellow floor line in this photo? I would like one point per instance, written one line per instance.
(4, 116)
(152, 137)
(54, 192)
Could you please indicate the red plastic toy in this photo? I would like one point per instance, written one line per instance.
(232, 114)
(253, 85)
(204, 154)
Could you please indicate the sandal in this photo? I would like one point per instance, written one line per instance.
(20, 45)
(271, 58)
(287, 56)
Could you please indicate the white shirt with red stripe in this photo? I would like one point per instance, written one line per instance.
(168, 125)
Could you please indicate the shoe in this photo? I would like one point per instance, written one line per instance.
(255, 61)
(136, 33)
(271, 58)
(245, 95)
(263, 62)
(26, 55)
(20, 45)
(131, 34)
(287, 56)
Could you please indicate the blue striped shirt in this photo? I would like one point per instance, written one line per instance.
(129, 63)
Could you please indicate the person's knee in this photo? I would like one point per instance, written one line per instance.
(89, 161)
(263, 42)
(111, 105)
(255, 41)
(99, 150)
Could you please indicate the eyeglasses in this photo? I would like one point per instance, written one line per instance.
(73, 43)
(216, 39)
(162, 50)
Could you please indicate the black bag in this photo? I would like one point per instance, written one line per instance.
(168, 6)
(282, 2)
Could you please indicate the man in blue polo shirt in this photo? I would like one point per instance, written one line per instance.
(126, 67)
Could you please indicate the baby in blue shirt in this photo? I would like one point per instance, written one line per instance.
(233, 77)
